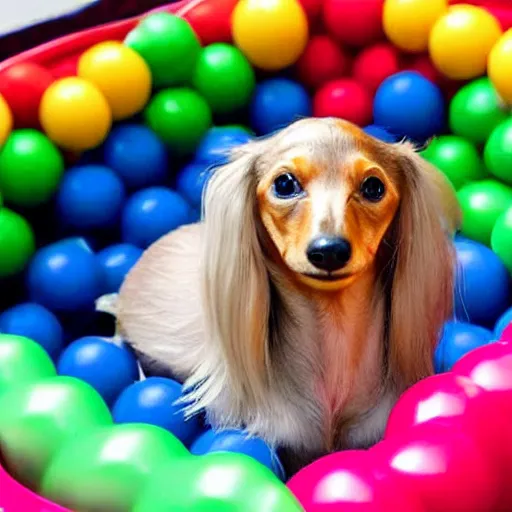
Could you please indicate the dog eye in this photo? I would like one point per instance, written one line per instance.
(372, 189)
(287, 186)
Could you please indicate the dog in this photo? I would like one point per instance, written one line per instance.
(311, 294)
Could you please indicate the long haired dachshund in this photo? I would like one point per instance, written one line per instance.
(309, 297)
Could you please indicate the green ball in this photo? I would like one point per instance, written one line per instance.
(456, 158)
(17, 243)
(482, 203)
(217, 482)
(31, 168)
(22, 360)
(106, 469)
(475, 111)
(498, 152)
(501, 238)
(180, 117)
(39, 417)
(169, 46)
(224, 77)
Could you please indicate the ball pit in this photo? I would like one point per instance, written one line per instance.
(107, 139)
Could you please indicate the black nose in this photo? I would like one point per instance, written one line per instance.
(329, 253)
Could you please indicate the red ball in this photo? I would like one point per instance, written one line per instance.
(423, 65)
(443, 467)
(374, 64)
(23, 85)
(354, 22)
(344, 98)
(345, 481)
(322, 60)
(312, 8)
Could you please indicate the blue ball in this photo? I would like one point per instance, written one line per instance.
(191, 181)
(457, 339)
(107, 367)
(482, 285)
(238, 441)
(65, 276)
(116, 261)
(215, 146)
(278, 102)
(152, 213)
(137, 155)
(380, 133)
(35, 322)
(153, 401)
(503, 322)
(90, 196)
(409, 105)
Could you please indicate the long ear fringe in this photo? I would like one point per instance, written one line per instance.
(235, 291)
(422, 285)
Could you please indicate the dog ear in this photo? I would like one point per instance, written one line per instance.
(424, 264)
(235, 284)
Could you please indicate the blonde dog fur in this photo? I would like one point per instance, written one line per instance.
(233, 307)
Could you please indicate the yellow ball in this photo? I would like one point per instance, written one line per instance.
(499, 66)
(120, 73)
(75, 114)
(5, 120)
(271, 33)
(461, 39)
(407, 23)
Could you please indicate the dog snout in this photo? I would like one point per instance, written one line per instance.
(329, 253)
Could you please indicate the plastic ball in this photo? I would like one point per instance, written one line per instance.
(453, 47)
(423, 65)
(407, 23)
(482, 287)
(153, 401)
(374, 64)
(439, 464)
(271, 34)
(180, 117)
(237, 441)
(507, 334)
(39, 417)
(152, 213)
(354, 22)
(65, 276)
(35, 322)
(380, 133)
(22, 86)
(409, 105)
(5, 120)
(169, 46)
(191, 182)
(224, 77)
(75, 114)
(344, 98)
(116, 261)
(90, 196)
(456, 158)
(106, 366)
(457, 339)
(31, 168)
(120, 73)
(323, 60)
(482, 203)
(137, 155)
(498, 151)
(501, 238)
(502, 323)
(17, 243)
(22, 360)
(216, 145)
(243, 484)
(312, 8)
(276, 103)
(347, 481)
(499, 66)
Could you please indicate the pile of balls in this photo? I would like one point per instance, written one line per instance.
(100, 160)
